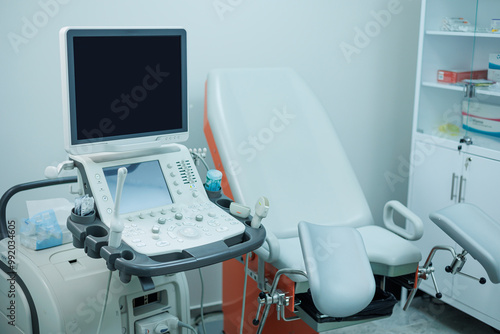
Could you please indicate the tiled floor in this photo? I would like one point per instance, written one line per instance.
(426, 316)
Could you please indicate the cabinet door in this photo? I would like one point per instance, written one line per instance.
(481, 186)
(433, 186)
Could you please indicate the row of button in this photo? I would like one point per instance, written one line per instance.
(178, 215)
(161, 243)
(179, 226)
(187, 229)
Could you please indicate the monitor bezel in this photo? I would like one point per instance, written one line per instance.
(124, 142)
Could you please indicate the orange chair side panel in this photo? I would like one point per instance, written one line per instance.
(213, 150)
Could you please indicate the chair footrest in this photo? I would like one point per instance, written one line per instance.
(381, 306)
(475, 232)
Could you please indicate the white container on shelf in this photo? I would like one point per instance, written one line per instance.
(494, 67)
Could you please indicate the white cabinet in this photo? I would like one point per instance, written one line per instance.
(444, 170)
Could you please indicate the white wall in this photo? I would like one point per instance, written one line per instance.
(364, 79)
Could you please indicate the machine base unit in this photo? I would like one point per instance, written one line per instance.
(62, 290)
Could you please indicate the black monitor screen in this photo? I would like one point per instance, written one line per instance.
(126, 84)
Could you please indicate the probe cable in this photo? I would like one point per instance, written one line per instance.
(244, 293)
(201, 302)
(105, 303)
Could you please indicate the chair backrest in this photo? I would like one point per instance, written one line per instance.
(275, 139)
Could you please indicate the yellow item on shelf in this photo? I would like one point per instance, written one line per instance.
(450, 129)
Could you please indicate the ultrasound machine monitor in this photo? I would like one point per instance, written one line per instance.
(126, 106)
(123, 88)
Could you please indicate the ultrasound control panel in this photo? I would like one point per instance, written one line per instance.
(178, 227)
(164, 207)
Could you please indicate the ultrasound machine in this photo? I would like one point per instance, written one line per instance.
(125, 110)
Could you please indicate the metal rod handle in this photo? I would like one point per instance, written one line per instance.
(462, 186)
(4, 200)
(453, 177)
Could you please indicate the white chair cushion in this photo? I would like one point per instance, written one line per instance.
(340, 277)
(385, 247)
(382, 247)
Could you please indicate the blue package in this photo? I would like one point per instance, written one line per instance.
(41, 231)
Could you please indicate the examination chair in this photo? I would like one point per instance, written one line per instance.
(270, 136)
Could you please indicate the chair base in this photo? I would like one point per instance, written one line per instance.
(381, 307)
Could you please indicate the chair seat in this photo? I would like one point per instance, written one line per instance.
(389, 254)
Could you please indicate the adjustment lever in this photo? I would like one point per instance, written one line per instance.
(481, 280)
(262, 301)
(439, 295)
(458, 263)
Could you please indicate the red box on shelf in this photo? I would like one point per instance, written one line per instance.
(454, 76)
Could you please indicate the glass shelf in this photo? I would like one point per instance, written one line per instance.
(459, 88)
(462, 34)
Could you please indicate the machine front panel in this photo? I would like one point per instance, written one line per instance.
(164, 206)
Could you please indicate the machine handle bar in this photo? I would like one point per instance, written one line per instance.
(22, 187)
